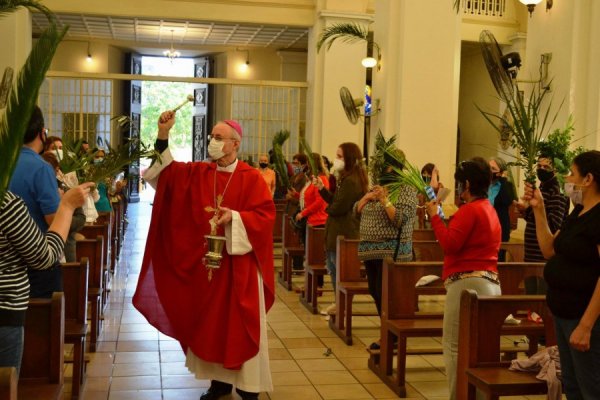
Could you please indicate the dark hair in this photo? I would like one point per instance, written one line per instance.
(477, 171)
(327, 162)
(51, 159)
(352, 164)
(589, 163)
(428, 168)
(35, 126)
(301, 157)
(50, 141)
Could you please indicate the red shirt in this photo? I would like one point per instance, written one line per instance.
(472, 239)
(314, 205)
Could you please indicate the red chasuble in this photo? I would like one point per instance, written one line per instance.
(218, 319)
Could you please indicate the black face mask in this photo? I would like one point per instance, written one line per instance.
(426, 179)
(263, 165)
(544, 175)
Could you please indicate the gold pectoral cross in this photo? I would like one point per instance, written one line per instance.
(213, 220)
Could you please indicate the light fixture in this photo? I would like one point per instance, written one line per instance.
(171, 53)
(370, 61)
(244, 66)
(89, 54)
(531, 5)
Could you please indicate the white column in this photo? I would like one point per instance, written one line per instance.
(571, 32)
(418, 83)
(328, 70)
(15, 31)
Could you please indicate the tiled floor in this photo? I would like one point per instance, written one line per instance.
(308, 360)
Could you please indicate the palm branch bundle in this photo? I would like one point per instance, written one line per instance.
(410, 175)
(527, 121)
(23, 96)
(280, 165)
(377, 162)
(314, 170)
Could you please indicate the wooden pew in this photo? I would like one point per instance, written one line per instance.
(292, 247)
(481, 326)
(400, 316)
(314, 266)
(350, 282)
(423, 234)
(515, 252)
(93, 251)
(8, 383)
(75, 286)
(103, 229)
(41, 375)
(277, 228)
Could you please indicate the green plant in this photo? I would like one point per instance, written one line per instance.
(377, 160)
(556, 147)
(304, 146)
(409, 175)
(527, 122)
(23, 96)
(347, 33)
(280, 165)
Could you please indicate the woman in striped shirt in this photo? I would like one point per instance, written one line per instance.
(22, 246)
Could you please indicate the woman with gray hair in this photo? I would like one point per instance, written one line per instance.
(501, 195)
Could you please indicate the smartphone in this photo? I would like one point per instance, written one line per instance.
(442, 194)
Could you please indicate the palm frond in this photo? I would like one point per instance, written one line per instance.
(22, 100)
(304, 146)
(457, 5)
(409, 175)
(377, 161)
(346, 32)
(10, 6)
(280, 166)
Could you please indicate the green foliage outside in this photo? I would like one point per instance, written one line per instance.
(162, 96)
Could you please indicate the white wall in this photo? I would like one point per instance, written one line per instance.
(15, 31)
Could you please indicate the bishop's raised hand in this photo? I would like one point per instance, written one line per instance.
(165, 123)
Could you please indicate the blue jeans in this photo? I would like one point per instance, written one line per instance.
(331, 266)
(11, 346)
(580, 369)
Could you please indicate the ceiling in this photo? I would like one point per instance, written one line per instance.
(144, 31)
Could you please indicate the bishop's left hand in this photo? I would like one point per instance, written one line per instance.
(224, 216)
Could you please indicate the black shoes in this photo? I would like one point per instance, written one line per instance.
(219, 389)
(216, 390)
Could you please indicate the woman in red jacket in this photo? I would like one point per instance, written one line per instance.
(311, 203)
(470, 242)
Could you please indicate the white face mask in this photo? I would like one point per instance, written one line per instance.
(338, 164)
(576, 195)
(215, 149)
(59, 154)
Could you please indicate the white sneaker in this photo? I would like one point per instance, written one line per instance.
(327, 310)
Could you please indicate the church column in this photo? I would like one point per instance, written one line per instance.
(418, 84)
(15, 31)
(328, 70)
(569, 31)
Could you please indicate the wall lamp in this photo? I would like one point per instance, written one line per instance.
(243, 67)
(370, 61)
(89, 54)
(532, 3)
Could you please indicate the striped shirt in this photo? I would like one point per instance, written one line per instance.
(22, 246)
(557, 209)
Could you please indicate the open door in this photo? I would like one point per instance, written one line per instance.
(133, 99)
(200, 121)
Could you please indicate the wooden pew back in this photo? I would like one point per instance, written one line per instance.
(75, 286)
(314, 250)
(513, 274)
(104, 230)
(515, 251)
(348, 266)
(423, 234)
(481, 325)
(279, 212)
(93, 250)
(290, 237)
(43, 350)
(427, 250)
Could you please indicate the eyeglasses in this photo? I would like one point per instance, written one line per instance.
(220, 139)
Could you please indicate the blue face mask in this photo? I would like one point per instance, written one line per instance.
(297, 169)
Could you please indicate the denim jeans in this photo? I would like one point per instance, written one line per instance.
(580, 369)
(331, 266)
(11, 346)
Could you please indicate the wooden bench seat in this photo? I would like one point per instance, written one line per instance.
(41, 375)
(102, 229)
(314, 267)
(481, 327)
(291, 247)
(92, 250)
(75, 287)
(350, 282)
